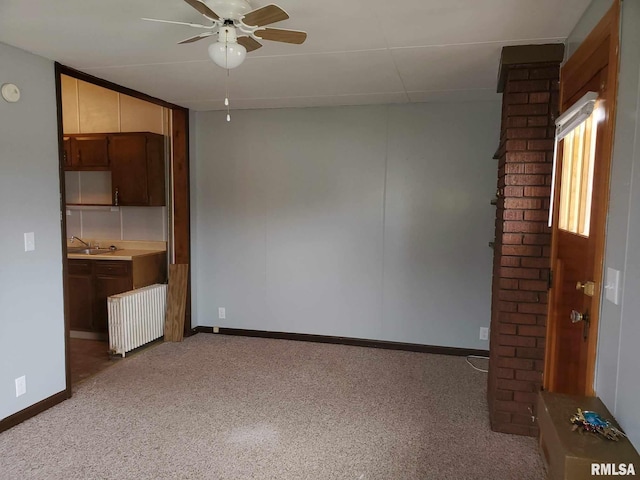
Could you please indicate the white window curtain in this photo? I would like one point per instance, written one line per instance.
(575, 116)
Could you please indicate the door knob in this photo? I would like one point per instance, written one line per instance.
(579, 317)
(589, 288)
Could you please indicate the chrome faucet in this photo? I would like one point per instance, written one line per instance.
(73, 238)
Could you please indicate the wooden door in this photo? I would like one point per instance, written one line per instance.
(128, 154)
(580, 207)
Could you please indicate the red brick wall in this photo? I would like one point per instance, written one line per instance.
(522, 247)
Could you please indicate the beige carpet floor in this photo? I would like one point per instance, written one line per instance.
(218, 407)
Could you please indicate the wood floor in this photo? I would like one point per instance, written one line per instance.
(88, 357)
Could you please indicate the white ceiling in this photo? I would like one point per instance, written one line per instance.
(357, 52)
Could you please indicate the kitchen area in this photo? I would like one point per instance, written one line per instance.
(115, 158)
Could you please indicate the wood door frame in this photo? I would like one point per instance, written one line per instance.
(180, 224)
(582, 67)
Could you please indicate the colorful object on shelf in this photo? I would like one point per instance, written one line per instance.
(592, 422)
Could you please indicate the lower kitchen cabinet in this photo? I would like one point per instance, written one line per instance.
(110, 278)
(80, 294)
(90, 282)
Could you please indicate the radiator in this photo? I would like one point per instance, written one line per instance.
(136, 318)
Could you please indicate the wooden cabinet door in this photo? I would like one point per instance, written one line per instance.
(80, 295)
(156, 170)
(110, 278)
(66, 154)
(90, 151)
(128, 154)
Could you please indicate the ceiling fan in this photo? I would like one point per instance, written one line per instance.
(229, 18)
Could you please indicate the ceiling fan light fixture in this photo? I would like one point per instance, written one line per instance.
(227, 52)
(227, 55)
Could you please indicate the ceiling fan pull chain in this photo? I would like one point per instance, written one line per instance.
(226, 97)
(226, 87)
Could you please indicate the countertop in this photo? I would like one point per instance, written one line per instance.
(122, 254)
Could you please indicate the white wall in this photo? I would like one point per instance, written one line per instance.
(367, 222)
(618, 376)
(31, 306)
(118, 223)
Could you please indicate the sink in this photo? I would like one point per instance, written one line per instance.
(90, 251)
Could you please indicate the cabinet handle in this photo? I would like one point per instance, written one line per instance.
(79, 156)
(116, 199)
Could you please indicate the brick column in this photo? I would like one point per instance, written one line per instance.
(522, 244)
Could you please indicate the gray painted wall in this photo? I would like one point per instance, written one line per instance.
(617, 376)
(31, 318)
(368, 222)
(617, 380)
(590, 18)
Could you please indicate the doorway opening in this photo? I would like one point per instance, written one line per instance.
(124, 188)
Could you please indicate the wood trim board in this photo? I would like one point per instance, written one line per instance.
(176, 302)
(63, 230)
(33, 410)
(357, 342)
(181, 200)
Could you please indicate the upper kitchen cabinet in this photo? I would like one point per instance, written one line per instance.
(137, 169)
(86, 152)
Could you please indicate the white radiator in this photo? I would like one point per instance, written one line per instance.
(136, 317)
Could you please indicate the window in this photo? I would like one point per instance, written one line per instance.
(577, 126)
(576, 184)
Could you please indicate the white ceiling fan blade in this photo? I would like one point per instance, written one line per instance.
(196, 38)
(195, 25)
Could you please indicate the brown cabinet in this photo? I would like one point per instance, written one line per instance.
(90, 282)
(136, 162)
(137, 169)
(80, 295)
(86, 152)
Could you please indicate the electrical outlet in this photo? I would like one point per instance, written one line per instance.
(484, 333)
(216, 330)
(222, 313)
(21, 385)
(29, 242)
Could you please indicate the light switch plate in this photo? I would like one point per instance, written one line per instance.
(29, 242)
(612, 285)
(21, 386)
